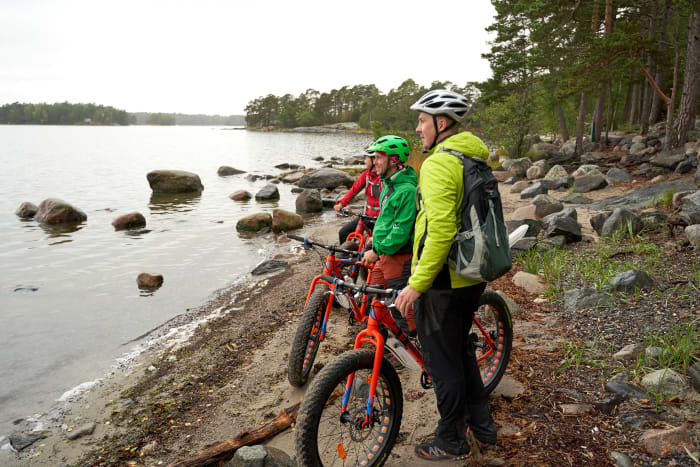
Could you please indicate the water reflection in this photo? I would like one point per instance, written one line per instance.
(162, 203)
(61, 230)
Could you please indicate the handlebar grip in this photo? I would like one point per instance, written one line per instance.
(296, 237)
(328, 278)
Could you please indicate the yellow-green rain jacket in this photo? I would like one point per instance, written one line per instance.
(442, 188)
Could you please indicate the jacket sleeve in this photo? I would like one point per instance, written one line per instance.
(402, 209)
(439, 192)
(357, 186)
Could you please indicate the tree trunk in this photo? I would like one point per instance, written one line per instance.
(691, 84)
(628, 97)
(634, 104)
(655, 112)
(581, 123)
(670, 140)
(599, 112)
(648, 92)
(562, 122)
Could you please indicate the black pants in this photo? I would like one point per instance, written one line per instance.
(444, 319)
(347, 229)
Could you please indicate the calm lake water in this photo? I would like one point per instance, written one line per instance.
(86, 305)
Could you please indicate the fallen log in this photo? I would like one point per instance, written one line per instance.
(222, 451)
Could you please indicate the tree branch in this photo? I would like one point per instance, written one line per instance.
(652, 82)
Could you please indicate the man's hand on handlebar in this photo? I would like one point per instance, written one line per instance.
(338, 207)
(369, 257)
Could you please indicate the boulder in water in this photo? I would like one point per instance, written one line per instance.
(225, 171)
(149, 281)
(261, 221)
(268, 193)
(309, 201)
(174, 181)
(130, 221)
(325, 178)
(26, 210)
(57, 211)
(240, 195)
(283, 221)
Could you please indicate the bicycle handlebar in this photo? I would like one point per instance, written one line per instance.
(358, 288)
(362, 216)
(331, 248)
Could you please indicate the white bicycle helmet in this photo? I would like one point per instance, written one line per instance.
(443, 102)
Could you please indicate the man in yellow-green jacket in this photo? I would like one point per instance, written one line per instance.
(443, 303)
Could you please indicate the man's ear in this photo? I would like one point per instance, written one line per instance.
(442, 124)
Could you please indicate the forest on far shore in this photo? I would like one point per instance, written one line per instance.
(64, 113)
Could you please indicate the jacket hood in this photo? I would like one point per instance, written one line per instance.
(407, 175)
(466, 143)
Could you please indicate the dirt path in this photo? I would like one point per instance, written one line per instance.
(231, 376)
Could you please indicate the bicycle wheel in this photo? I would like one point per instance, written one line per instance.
(325, 436)
(308, 337)
(492, 319)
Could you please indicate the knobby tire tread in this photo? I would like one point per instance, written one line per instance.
(316, 304)
(493, 299)
(320, 390)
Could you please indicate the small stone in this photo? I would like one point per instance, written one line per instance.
(249, 456)
(152, 368)
(225, 171)
(621, 460)
(530, 282)
(130, 221)
(268, 266)
(666, 381)
(240, 195)
(661, 442)
(608, 405)
(575, 409)
(629, 352)
(26, 210)
(82, 430)
(21, 441)
(149, 448)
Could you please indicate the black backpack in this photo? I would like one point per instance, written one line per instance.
(480, 250)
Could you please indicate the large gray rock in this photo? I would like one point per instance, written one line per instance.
(519, 186)
(598, 220)
(261, 221)
(293, 177)
(690, 211)
(576, 299)
(533, 226)
(517, 166)
(629, 281)
(267, 193)
(20, 441)
(592, 157)
(558, 182)
(586, 169)
(174, 181)
(225, 171)
(283, 221)
(268, 266)
(130, 221)
(535, 172)
(694, 375)
(546, 205)
(590, 182)
(544, 149)
(249, 456)
(325, 178)
(636, 148)
(556, 172)
(621, 219)
(562, 225)
(309, 201)
(567, 212)
(26, 210)
(57, 211)
(619, 175)
(665, 380)
(537, 188)
(575, 198)
(693, 234)
(668, 159)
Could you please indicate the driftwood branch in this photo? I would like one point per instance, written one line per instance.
(224, 450)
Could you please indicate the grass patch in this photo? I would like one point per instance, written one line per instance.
(664, 200)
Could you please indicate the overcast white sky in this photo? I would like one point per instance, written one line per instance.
(213, 57)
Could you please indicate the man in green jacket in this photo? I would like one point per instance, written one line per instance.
(444, 303)
(392, 239)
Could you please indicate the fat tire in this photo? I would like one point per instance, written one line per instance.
(320, 390)
(313, 314)
(504, 329)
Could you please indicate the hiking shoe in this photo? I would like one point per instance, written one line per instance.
(483, 445)
(429, 450)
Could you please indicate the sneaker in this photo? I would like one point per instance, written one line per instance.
(483, 445)
(429, 450)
